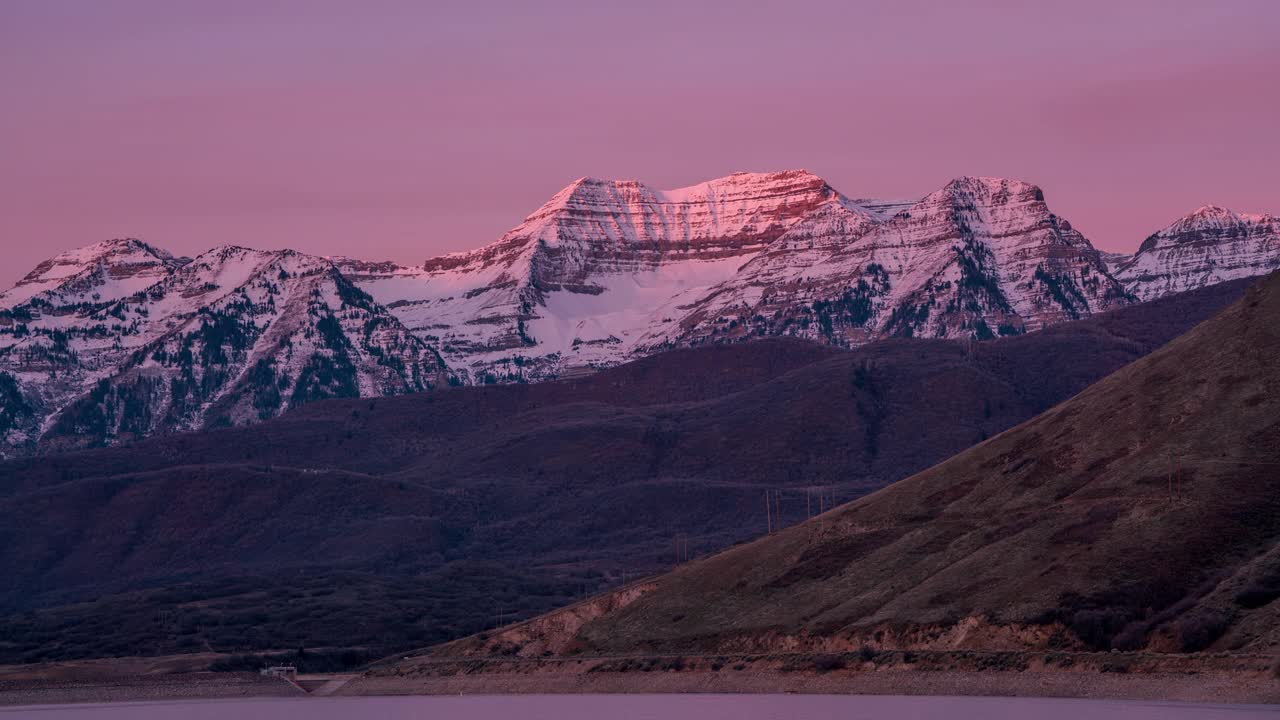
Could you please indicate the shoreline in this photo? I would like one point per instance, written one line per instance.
(1209, 678)
(1164, 687)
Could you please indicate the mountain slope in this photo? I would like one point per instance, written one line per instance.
(1144, 512)
(574, 482)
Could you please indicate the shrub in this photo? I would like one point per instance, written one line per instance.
(1096, 627)
(1199, 629)
(1258, 594)
(827, 663)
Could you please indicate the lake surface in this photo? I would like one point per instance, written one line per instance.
(646, 707)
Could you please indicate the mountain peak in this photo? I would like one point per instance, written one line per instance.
(986, 186)
(99, 272)
(113, 247)
(595, 209)
(1203, 217)
(588, 187)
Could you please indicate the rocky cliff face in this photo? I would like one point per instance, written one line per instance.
(1211, 245)
(122, 339)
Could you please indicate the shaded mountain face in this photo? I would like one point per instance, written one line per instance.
(603, 273)
(573, 482)
(1142, 513)
(1208, 246)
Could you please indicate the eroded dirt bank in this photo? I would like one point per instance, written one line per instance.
(1220, 678)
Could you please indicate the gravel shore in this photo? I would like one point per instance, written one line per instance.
(1206, 678)
(1184, 688)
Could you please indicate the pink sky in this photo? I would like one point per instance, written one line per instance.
(405, 129)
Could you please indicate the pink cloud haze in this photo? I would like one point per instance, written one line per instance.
(398, 129)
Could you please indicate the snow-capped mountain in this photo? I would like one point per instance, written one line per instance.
(1211, 245)
(233, 336)
(607, 271)
(583, 279)
(121, 339)
(979, 257)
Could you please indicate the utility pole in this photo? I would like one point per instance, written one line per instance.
(681, 542)
(768, 514)
(777, 506)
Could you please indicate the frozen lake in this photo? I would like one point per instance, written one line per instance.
(646, 707)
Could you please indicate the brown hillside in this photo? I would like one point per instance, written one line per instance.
(1143, 512)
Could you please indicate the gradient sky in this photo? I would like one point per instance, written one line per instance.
(404, 129)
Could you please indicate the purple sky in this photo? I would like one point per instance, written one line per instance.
(404, 129)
